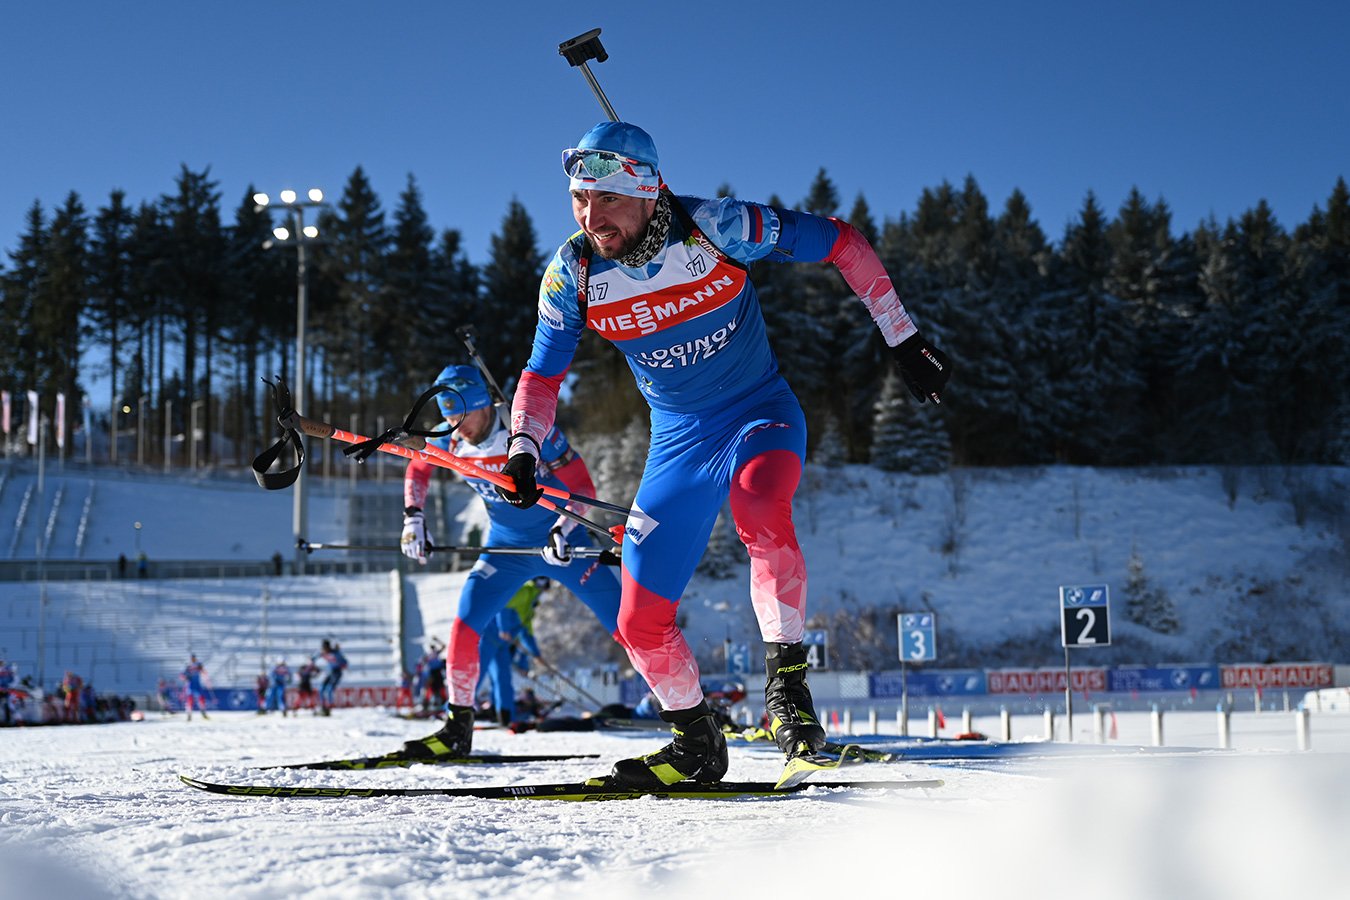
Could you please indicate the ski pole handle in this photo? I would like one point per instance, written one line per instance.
(577, 51)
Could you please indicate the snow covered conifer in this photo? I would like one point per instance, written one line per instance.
(907, 437)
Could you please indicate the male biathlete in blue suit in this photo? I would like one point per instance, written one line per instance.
(664, 279)
(480, 438)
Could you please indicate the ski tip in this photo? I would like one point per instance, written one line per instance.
(194, 782)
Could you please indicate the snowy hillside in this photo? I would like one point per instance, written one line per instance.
(987, 550)
(1215, 567)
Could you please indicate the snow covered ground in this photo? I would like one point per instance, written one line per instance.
(1260, 576)
(98, 812)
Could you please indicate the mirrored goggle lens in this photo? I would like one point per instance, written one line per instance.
(596, 164)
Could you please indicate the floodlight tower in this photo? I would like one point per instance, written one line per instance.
(294, 232)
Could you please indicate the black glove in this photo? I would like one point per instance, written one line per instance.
(924, 367)
(520, 469)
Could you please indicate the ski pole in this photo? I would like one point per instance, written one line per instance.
(467, 335)
(577, 51)
(552, 670)
(578, 552)
(416, 448)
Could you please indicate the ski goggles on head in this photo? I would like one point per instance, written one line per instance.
(597, 164)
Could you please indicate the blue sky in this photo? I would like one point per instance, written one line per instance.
(1211, 106)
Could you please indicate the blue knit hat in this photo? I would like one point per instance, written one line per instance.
(464, 390)
(622, 160)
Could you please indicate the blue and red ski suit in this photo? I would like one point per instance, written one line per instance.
(724, 422)
(495, 577)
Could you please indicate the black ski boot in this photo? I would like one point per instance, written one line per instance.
(454, 739)
(698, 753)
(787, 701)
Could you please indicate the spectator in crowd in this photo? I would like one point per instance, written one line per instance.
(88, 703)
(70, 689)
(305, 694)
(404, 698)
(331, 652)
(194, 681)
(430, 684)
(276, 690)
(6, 684)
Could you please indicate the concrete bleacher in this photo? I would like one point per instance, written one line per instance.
(126, 635)
(211, 585)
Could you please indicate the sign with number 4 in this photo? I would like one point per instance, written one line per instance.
(1085, 615)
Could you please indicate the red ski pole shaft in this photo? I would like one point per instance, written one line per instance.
(434, 455)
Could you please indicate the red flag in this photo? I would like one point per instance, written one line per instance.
(1115, 733)
(941, 719)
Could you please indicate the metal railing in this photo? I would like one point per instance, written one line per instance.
(112, 570)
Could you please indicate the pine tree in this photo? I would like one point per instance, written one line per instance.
(823, 197)
(1090, 348)
(1155, 277)
(724, 554)
(23, 285)
(860, 217)
(908, 436)
(829, 450)
(149, 253)
(456, 281)
(193, 277)
(349, 291)
(1145, 603)
(508, 313)
(1020, 259)
(260, 299)
(413, 352)
(1233, 355)
(64, 296)
(1320, 275)
(110, 287)
(616, 460)
(981, 327)
(808, 311)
